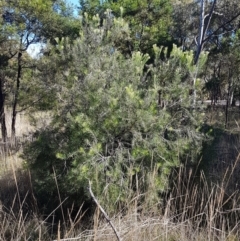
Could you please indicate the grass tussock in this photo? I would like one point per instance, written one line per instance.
(193, 209)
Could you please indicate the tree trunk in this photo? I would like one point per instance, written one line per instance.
(228, 101)
(2, 112)
(203, 27)
(201, 32)
(226, 112)
(14, 111)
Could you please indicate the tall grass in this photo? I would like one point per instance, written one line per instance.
(194, 209)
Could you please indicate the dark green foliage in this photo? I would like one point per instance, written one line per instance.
(149, 22)
(109, 126)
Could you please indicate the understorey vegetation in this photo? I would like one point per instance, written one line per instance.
(125, 124)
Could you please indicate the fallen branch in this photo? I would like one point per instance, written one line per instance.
(104, 213)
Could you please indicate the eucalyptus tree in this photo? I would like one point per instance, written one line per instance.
(222, 73)
(204, 25)
(201, 25)
(25, 23)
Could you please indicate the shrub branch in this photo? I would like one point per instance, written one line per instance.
(104, 213)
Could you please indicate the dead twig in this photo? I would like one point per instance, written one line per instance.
(104, 213)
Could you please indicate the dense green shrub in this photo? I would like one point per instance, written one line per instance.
(118, 122)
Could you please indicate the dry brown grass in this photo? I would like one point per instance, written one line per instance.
(26, 124)
(192, 211)
(195, 211)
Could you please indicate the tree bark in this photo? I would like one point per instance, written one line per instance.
(203, 27)
(228, 101)
(15, 102)
(2, 111)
